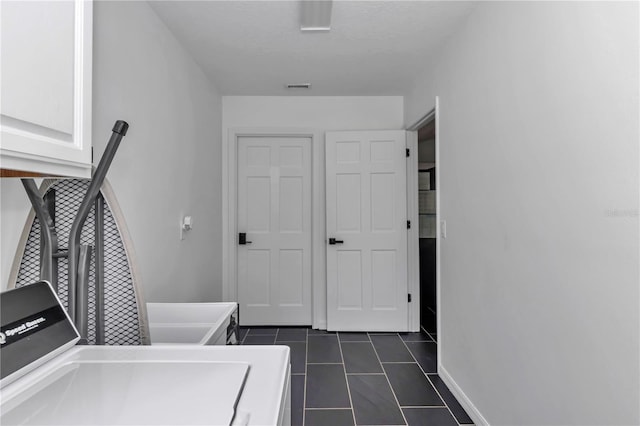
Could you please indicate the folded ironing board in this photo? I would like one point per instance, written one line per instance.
(84, 215)
(123, 323)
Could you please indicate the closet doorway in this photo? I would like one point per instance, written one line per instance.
(427, 225)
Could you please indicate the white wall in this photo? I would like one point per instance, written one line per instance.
(167, 165)
(14, 206)
(539, 187)
(317, 114)
(323, 113)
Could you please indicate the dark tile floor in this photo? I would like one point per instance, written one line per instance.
(363, 378)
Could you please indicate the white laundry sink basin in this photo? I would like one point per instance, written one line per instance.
(186, 334)
(191, 323)
(203, 313)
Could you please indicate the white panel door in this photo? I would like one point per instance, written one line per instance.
(366, 216)
(274, 210)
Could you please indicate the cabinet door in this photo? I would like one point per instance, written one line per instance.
(45, 110)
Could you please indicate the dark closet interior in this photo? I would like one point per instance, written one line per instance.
(427, 226)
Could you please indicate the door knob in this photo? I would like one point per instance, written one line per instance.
(333, 241)
(242, 239)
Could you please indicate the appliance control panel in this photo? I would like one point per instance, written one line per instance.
(33, 325)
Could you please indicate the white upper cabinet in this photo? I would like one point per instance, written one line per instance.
(45, 105)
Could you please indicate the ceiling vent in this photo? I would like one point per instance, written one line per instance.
(315, 15)
(299, 86)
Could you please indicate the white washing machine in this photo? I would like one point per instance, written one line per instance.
(48, 380)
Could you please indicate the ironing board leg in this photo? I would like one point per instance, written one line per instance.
(118, 131)
(50, 203)
(49, 244)
(99, 262)
(82, 291)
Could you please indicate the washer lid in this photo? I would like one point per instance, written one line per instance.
(130, 393)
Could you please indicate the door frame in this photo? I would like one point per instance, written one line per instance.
(413, 251)
(230, 214)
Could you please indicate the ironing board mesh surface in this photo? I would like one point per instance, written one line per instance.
(122, 325)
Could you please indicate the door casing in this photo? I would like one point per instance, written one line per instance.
(413, 255)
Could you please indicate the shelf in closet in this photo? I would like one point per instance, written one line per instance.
(425, 167)
(427, 201)
(427, 226)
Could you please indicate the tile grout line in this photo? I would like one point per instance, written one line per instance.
(324, 363)
(424, 406)
(430, 382)
(365, 374)
(346, 380)
(354, 341)
(388, 381)
(328, 408)
(304, 391)
(422, 331)
(428, 334)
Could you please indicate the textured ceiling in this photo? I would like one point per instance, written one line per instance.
(256, 47)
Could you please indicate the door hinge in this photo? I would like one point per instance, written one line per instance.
(408, 152)
(409, 298)
(91, 155)
(408, 224)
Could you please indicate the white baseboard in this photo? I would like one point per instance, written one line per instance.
(462, 398)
